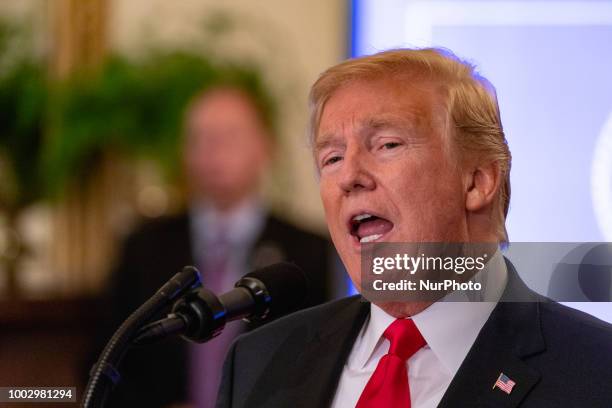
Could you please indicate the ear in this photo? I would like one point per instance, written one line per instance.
(482, 185)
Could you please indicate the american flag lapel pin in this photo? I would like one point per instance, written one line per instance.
(504, 383)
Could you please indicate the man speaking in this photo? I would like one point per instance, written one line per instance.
(409, 147)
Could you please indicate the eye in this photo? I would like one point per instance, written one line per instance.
(390, 145)
(331, 160)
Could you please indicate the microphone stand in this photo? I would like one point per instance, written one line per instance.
(104, 375)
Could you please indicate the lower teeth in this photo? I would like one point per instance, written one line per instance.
(370, 238)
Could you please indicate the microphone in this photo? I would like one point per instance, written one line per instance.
(104, 374)
(201, 315)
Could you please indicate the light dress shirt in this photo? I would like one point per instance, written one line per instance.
(449, 327)
(240, 228)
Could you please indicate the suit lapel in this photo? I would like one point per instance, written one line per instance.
(320, 364)
(511, 334)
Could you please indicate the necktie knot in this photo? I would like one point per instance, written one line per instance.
(388, 386)
(405, 338)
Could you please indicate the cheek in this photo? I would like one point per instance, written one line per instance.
(331, 196)
(244, 163)
(326, 192)
(428, 196)
(331, 205)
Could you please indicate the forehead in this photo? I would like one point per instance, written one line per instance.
(382, 103)
(221, 103)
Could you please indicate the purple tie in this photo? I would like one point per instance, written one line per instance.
(216, 257)
(206, 360)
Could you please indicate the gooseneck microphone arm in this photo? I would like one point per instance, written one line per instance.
(198, 315)
(104, 374)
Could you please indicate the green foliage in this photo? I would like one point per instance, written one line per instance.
(131, 107)
(22, 104)
(23, 97)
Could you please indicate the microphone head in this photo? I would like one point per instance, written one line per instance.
(285, 283)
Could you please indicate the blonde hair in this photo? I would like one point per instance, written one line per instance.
(470, 99)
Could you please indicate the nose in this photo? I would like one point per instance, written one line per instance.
(355, 174)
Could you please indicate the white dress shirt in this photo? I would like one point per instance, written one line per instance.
(449, 327)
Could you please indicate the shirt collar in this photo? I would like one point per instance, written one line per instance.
(449, 327)
(241, 224)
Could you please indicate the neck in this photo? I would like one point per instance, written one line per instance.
(225, 206)
(401, 310)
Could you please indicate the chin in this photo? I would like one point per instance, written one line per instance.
(402, 310)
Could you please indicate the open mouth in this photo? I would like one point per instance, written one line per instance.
(366, 227)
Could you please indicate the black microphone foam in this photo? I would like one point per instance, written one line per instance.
(200, 315)
(286, 284)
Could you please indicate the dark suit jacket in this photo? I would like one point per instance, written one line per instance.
(156, 375)
(558, 357)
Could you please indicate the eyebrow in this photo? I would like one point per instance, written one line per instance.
(407, 121)
(326, 140)
(390, 122)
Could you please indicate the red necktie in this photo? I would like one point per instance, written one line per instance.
(388, 386)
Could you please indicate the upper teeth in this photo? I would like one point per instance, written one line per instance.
(361, 217)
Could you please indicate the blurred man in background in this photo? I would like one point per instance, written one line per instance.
(226, 232)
